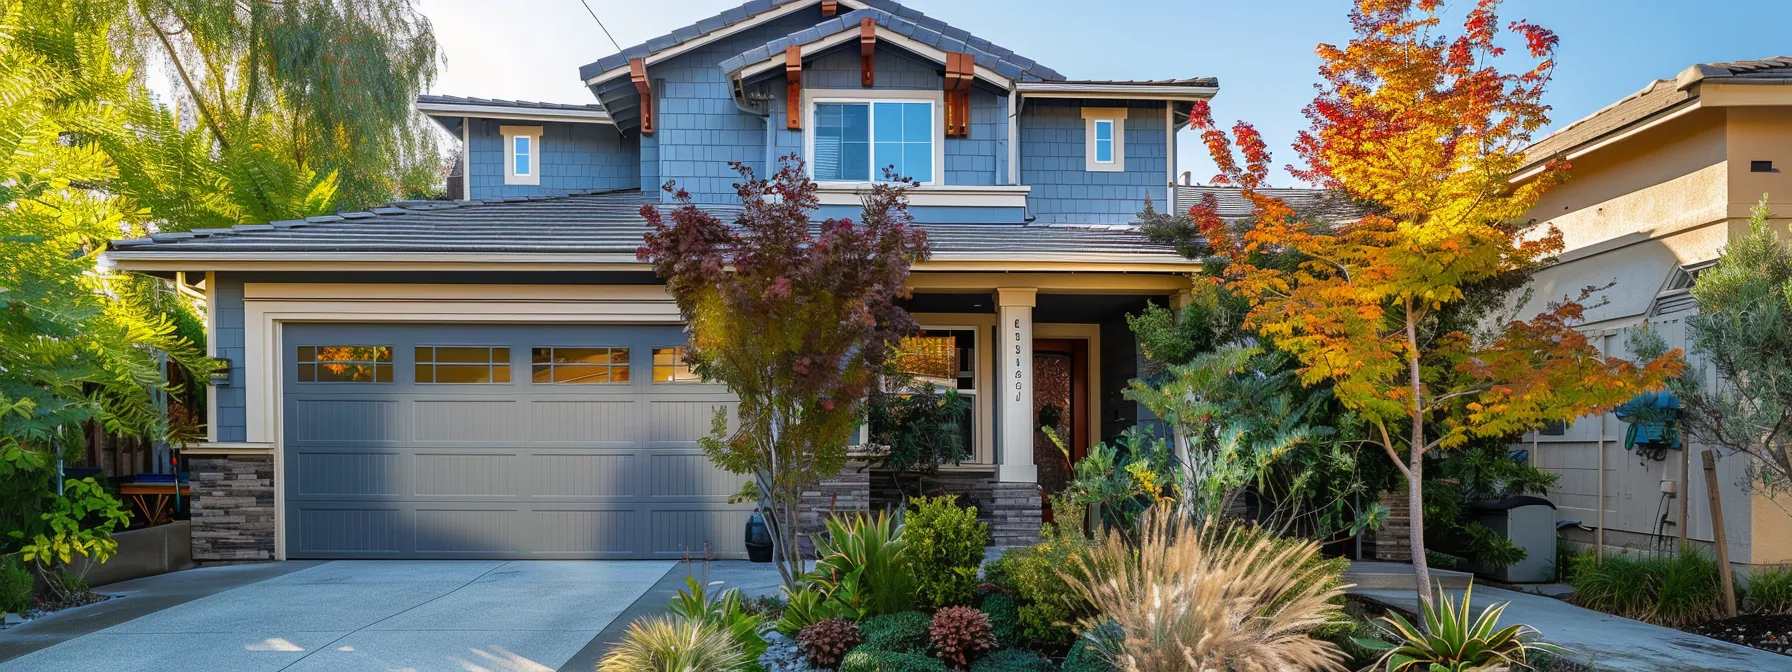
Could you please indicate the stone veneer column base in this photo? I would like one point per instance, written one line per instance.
(1015, 511)
(846, 492)
(232, 508)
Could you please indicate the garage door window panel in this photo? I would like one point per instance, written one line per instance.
(344, 364)
(579, 365)
(462, 365)
(669, 366)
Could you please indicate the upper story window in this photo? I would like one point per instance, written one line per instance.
(854, 140)
(1104, 139)
(522, 154)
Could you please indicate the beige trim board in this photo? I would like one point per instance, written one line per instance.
(228, 448)
(1054, 283)
(174, 261)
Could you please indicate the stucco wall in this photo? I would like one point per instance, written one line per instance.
(573, 157)
(1052, 162)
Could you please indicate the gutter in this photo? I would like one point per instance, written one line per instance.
(1116, 91)
(516, 113)
(1609, 139)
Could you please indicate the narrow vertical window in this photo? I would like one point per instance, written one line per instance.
(522, 154)
(1104, 141)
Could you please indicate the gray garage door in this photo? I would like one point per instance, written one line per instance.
(501, 441)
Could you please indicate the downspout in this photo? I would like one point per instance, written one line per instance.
(466, 160)
(738, 95)
(1014, 135)
(1599, 534)
(1170, 156)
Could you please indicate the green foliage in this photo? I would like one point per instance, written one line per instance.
(725, 609)
(1482, 470)
(867, 659)
(905, 632)
(1666, 590)
(674, 645)
(797, 325)
(1123, 478)
(870, 552)
(17, 586)
(1004, 618)
(945, 549)
(1048, 607)
(915, 430)
(1013, 660)
(1212, 318)
(812, 604)
(1769, 590)
(1743, 330)
(1084, 656)
(1451, 642)
(79, 523)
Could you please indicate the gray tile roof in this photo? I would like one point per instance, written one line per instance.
(587, 223)
(926, 31)
(934, 27)
(1233, 205)
(1658, 97)
(518, 104)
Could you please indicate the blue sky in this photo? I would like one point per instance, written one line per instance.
(1262, 52)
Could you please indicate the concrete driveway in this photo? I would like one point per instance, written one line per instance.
(367, 615)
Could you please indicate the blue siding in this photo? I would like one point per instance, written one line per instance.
(231, 399)
(698, 130)
(1052, 163)
(574, 157)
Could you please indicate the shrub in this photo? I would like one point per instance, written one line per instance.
(1004, 618)
(16, 586)
(1048, 608)
(869, 551)
(1014, 660)
(867, 659)
(1770, 590)
(945, 545)
(960, 634)
(804, 608)
(905, 632)
(674, 645)
(1085, 657)
(1665, 590)
(1208, 597)
(726, 610)
(827, 641)
(1450, 641)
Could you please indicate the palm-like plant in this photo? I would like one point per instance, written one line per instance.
(864, 556)
(1452, 642)
(725, 608)
(675, 645)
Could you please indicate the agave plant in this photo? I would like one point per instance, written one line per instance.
(1450, 642)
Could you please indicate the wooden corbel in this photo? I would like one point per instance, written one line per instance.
(793, 87)
(637, 73)
(867, 46)
(961, 69)
(830, 8)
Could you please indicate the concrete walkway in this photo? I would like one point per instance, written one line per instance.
(1608, 643)
(353, 615)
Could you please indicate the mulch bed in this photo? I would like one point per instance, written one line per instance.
(1767, 632)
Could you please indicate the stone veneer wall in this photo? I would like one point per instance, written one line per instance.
(232, 508)
(846, 492)
(1391, 541)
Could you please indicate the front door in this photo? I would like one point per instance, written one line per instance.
(1061, 402)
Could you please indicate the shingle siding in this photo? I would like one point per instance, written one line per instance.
(1052, 163)
(574, 157)
(232, 424)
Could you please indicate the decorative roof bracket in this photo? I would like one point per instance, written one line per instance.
(793, 87)
(867, 45)
(637, 73)
(961, 70)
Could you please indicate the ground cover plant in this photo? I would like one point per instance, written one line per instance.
(1671, 589)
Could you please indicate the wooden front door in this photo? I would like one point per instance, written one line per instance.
(1060, 401)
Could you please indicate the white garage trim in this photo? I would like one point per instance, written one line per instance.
(267, 305)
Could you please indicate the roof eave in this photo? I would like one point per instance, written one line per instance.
(147, 261)
(516, 113)
(1116, 91)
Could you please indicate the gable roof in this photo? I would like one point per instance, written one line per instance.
(926, 35)
(589, 226)
(728, 21)
(1656, 100)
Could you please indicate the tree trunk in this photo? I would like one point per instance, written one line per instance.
(1415, 474)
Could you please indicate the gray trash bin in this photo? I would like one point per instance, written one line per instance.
(1530, 522)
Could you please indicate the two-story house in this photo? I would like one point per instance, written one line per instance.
(498, 376)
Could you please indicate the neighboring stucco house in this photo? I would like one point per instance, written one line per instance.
(499, 377)
(1660, 182)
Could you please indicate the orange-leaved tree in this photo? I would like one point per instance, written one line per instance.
(1423, 130)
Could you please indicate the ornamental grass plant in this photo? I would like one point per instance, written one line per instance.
(1212, 597)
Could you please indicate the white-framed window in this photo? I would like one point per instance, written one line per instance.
(855, 138)
(947, 358)
(1104, 139)
(522, 154)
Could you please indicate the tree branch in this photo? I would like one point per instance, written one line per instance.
(186, 79)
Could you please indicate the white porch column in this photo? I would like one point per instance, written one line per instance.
(1014, 371)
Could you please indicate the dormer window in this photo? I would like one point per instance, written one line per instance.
(522, 154)
(1104, 139)
(856, 139)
